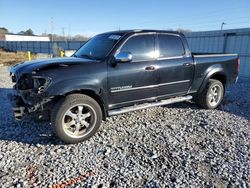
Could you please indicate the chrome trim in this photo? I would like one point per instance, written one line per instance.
(173, 57)
(123, 57)
(150, 86)
(208, 55)
(147, 99)
(148, 105)
(192, 91)
(133, 101)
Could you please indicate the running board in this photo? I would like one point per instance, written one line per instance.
(148, 105)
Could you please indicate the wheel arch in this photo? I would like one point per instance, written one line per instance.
(90, 93)
(220, 77)
(216, 74)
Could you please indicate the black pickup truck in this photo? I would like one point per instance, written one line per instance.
(118, 72)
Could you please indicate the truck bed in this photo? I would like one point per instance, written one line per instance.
(204, 62)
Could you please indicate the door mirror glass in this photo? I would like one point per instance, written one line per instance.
(123, 57)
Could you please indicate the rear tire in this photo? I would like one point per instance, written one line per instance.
(76, 118)
(211, 96)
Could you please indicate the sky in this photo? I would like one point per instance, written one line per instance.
(89, 17)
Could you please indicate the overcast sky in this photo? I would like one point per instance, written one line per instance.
(94, 16)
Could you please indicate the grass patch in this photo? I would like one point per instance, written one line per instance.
(11, 58)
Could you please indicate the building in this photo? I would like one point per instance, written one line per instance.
(15, 37)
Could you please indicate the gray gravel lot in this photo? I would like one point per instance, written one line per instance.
(178, 145)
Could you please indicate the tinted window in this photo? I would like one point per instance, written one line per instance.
(98, 47)
(141, 47)
(170, 46)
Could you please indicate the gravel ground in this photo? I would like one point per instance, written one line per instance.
(177, 145)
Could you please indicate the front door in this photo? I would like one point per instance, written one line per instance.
(135, 81)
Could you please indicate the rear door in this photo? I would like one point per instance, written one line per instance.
(134, 82)
(175, 66)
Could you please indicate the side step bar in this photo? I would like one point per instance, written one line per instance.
(148, 105)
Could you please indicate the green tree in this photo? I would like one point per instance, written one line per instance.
(27, 32)
(182, 30)
(3, 30)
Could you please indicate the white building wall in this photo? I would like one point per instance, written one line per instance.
(25, 38)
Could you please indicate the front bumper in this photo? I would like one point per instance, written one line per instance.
(29, 95)
(17, 108)
(22, 109)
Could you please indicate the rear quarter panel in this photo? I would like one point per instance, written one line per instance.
(208, 65)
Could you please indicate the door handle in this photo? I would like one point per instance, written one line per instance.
(187, 64)
(150, 68)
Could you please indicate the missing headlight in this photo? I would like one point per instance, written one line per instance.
(25, 82)
(41, 83)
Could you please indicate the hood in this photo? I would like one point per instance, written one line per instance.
(29, 66)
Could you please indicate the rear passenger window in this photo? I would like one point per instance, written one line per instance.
(170, 46)
(142, 47)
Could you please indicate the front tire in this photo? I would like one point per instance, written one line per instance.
(212, 95)
(76, 118)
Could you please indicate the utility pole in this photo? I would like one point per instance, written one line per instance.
(63, 33)
(69, 29)
(63, 28)
(52, 27)
(222, 24)
(52, 38)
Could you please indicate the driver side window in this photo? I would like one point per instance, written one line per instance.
(142, 47)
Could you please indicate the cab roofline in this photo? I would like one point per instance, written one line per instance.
(123, 32)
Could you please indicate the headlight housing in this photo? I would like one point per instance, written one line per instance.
(38, 84)
(41, 83)
(25, 82)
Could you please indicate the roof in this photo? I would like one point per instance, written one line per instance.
(123, 32)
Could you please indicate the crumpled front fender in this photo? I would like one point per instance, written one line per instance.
(66, 86)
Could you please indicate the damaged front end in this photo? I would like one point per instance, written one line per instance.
(30, 95)
(32, 81)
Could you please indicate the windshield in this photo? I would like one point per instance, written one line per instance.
(98, 47)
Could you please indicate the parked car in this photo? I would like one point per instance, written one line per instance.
(118, 72)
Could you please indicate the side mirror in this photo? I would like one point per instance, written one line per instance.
(123, 57)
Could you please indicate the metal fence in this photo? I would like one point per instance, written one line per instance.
(225, 41)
